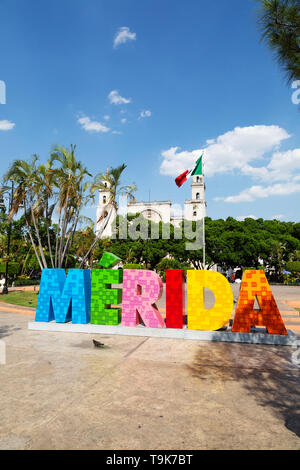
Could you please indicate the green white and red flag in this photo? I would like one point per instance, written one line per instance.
(196, 170)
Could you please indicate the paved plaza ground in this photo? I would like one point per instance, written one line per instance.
(59, 392)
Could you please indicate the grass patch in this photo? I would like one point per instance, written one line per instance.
(24, 299)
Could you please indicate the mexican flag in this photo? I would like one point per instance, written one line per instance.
(197, 170)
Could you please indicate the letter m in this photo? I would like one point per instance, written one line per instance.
(63, 298)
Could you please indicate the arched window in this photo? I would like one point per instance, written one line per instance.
(105, 214)
(195, 213)
(198, 196)
(104, 199)
(198, 179)
(105, 184)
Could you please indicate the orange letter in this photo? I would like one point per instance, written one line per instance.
(255, 284)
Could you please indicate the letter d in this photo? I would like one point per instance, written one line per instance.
(200, 318)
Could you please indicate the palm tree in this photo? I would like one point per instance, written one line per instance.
(46, 200)
(39, 189)
(279, 21)
(71, 198)
(24, 174)
(111, 182)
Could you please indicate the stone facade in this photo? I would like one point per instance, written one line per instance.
(160, 211)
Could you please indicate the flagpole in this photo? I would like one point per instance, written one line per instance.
(203, 225)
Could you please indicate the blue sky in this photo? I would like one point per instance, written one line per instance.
(152, 84)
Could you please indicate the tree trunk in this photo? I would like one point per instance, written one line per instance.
(57, 237)
(70, 240)
(48, 237)
(37, 232)
(33, 245)
(96, 239)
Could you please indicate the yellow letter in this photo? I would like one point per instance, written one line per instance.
(200, 318)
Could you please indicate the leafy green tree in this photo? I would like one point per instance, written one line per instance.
(170, 263)
(293, 266)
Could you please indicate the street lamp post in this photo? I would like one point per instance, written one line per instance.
(5, 287)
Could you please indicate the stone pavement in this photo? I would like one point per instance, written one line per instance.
(59, 392)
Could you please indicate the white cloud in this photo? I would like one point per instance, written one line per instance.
(145, 113)
(92, 126)
(123, 35)
(106, 117)
(123, 120)
(231, 151)
(234, 152)
(117, 132)
(175, 162)
(241, 218)
(259, 192)
(115, 98)
(6, 125)
(282, 167)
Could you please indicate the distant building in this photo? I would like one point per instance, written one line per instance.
(159, 211)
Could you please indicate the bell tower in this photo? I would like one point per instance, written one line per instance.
(195, 208)
(103, 210)
(198, 188)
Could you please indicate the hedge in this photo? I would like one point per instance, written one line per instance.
(25, 282)
(133, 266)
(13, 267)
(293, 266)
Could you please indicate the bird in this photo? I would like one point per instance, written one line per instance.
(97, 344)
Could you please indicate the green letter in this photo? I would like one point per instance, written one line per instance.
(103, 296)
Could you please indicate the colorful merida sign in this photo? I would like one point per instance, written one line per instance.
(85, 296)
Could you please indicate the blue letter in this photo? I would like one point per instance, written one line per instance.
(64, 298)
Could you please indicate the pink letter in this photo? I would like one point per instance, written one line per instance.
(141, 289)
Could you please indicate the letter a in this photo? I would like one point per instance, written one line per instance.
(255, 284)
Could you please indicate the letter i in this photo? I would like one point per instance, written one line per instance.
(174, 298)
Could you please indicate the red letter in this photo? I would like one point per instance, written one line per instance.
(174, 298)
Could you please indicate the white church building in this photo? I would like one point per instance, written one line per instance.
(159, 211)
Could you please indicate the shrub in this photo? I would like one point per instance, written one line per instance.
(259, 268)
(293, 266)
(133, 266)
(170, 263)
(13, 267)
(25, 282)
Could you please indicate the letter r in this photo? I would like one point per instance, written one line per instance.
(141, 289)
